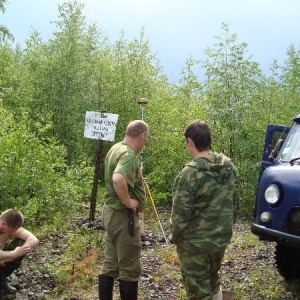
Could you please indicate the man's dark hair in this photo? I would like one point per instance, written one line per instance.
(199, 133)
(13, 218)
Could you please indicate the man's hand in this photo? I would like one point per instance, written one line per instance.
(21, 251)
(7, 256)
(134, 205)
(3, 263)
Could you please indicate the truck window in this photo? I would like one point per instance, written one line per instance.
(292, 146)
(276, 136)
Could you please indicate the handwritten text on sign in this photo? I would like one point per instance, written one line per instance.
(100, 126)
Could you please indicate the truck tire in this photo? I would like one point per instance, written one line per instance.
(287, 261)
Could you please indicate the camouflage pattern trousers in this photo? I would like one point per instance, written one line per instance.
(122, 251)
(15, 264)
(199, 270)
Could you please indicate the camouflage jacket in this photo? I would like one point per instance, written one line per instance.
(121, 159)
(205, 202)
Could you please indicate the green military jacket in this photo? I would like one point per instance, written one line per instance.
(205, 202)
(121, 159)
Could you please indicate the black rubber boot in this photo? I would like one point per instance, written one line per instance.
(128, 290)
(4, 285)
(106, 285)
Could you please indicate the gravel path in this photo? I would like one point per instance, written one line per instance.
(248, 269)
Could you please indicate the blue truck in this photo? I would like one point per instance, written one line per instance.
(277, 205)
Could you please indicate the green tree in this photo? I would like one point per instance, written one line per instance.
(4, 32)
(234, 102)
(79, 70)
(34, 175)
(13, 90)
(290, 80)
(60, 72)
(168, 113)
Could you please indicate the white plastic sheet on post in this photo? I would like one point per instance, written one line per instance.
(100, 125)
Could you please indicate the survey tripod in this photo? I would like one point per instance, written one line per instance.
(150, 202)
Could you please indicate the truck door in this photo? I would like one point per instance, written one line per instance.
(273, 134)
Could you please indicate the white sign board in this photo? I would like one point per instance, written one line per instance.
(100, 126)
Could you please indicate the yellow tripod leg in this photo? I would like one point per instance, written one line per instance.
(148, 194)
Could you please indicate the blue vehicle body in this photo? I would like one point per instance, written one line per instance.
(279, 171)
(277, 217)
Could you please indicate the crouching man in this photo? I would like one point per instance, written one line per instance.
(15, 243)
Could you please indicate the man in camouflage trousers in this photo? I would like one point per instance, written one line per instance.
(125, 197)
(205, 205)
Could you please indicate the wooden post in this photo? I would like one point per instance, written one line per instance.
(97, 128)
(98, 157)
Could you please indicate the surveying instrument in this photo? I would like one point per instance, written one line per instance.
(143, 102)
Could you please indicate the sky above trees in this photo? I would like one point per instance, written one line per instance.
(176, 29)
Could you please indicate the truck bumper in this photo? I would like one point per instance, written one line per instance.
(275, 235)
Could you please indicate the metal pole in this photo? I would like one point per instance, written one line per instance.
(142, 112)
(142, 102)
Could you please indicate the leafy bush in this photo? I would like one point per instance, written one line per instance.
(34, 176)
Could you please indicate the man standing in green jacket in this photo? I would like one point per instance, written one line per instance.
(205, 205)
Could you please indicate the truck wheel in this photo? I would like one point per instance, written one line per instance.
(287, 261)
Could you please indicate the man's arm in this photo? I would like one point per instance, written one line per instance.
(121, 189)
(29, 238)
(6, 256)
(30, 242)
(183, 199)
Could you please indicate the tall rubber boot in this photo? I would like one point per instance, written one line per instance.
(5, 272)
(218, 296)
(106, 285)
(128, 290)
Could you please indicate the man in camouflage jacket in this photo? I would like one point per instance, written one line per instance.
(205, 205)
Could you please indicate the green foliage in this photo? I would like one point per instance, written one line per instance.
(233, 100)
(79, 70)
(34, 175)
(15, 90)
(47, 87)
(77, 262)
(47, 166)
(167, 114)
(4, 32)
